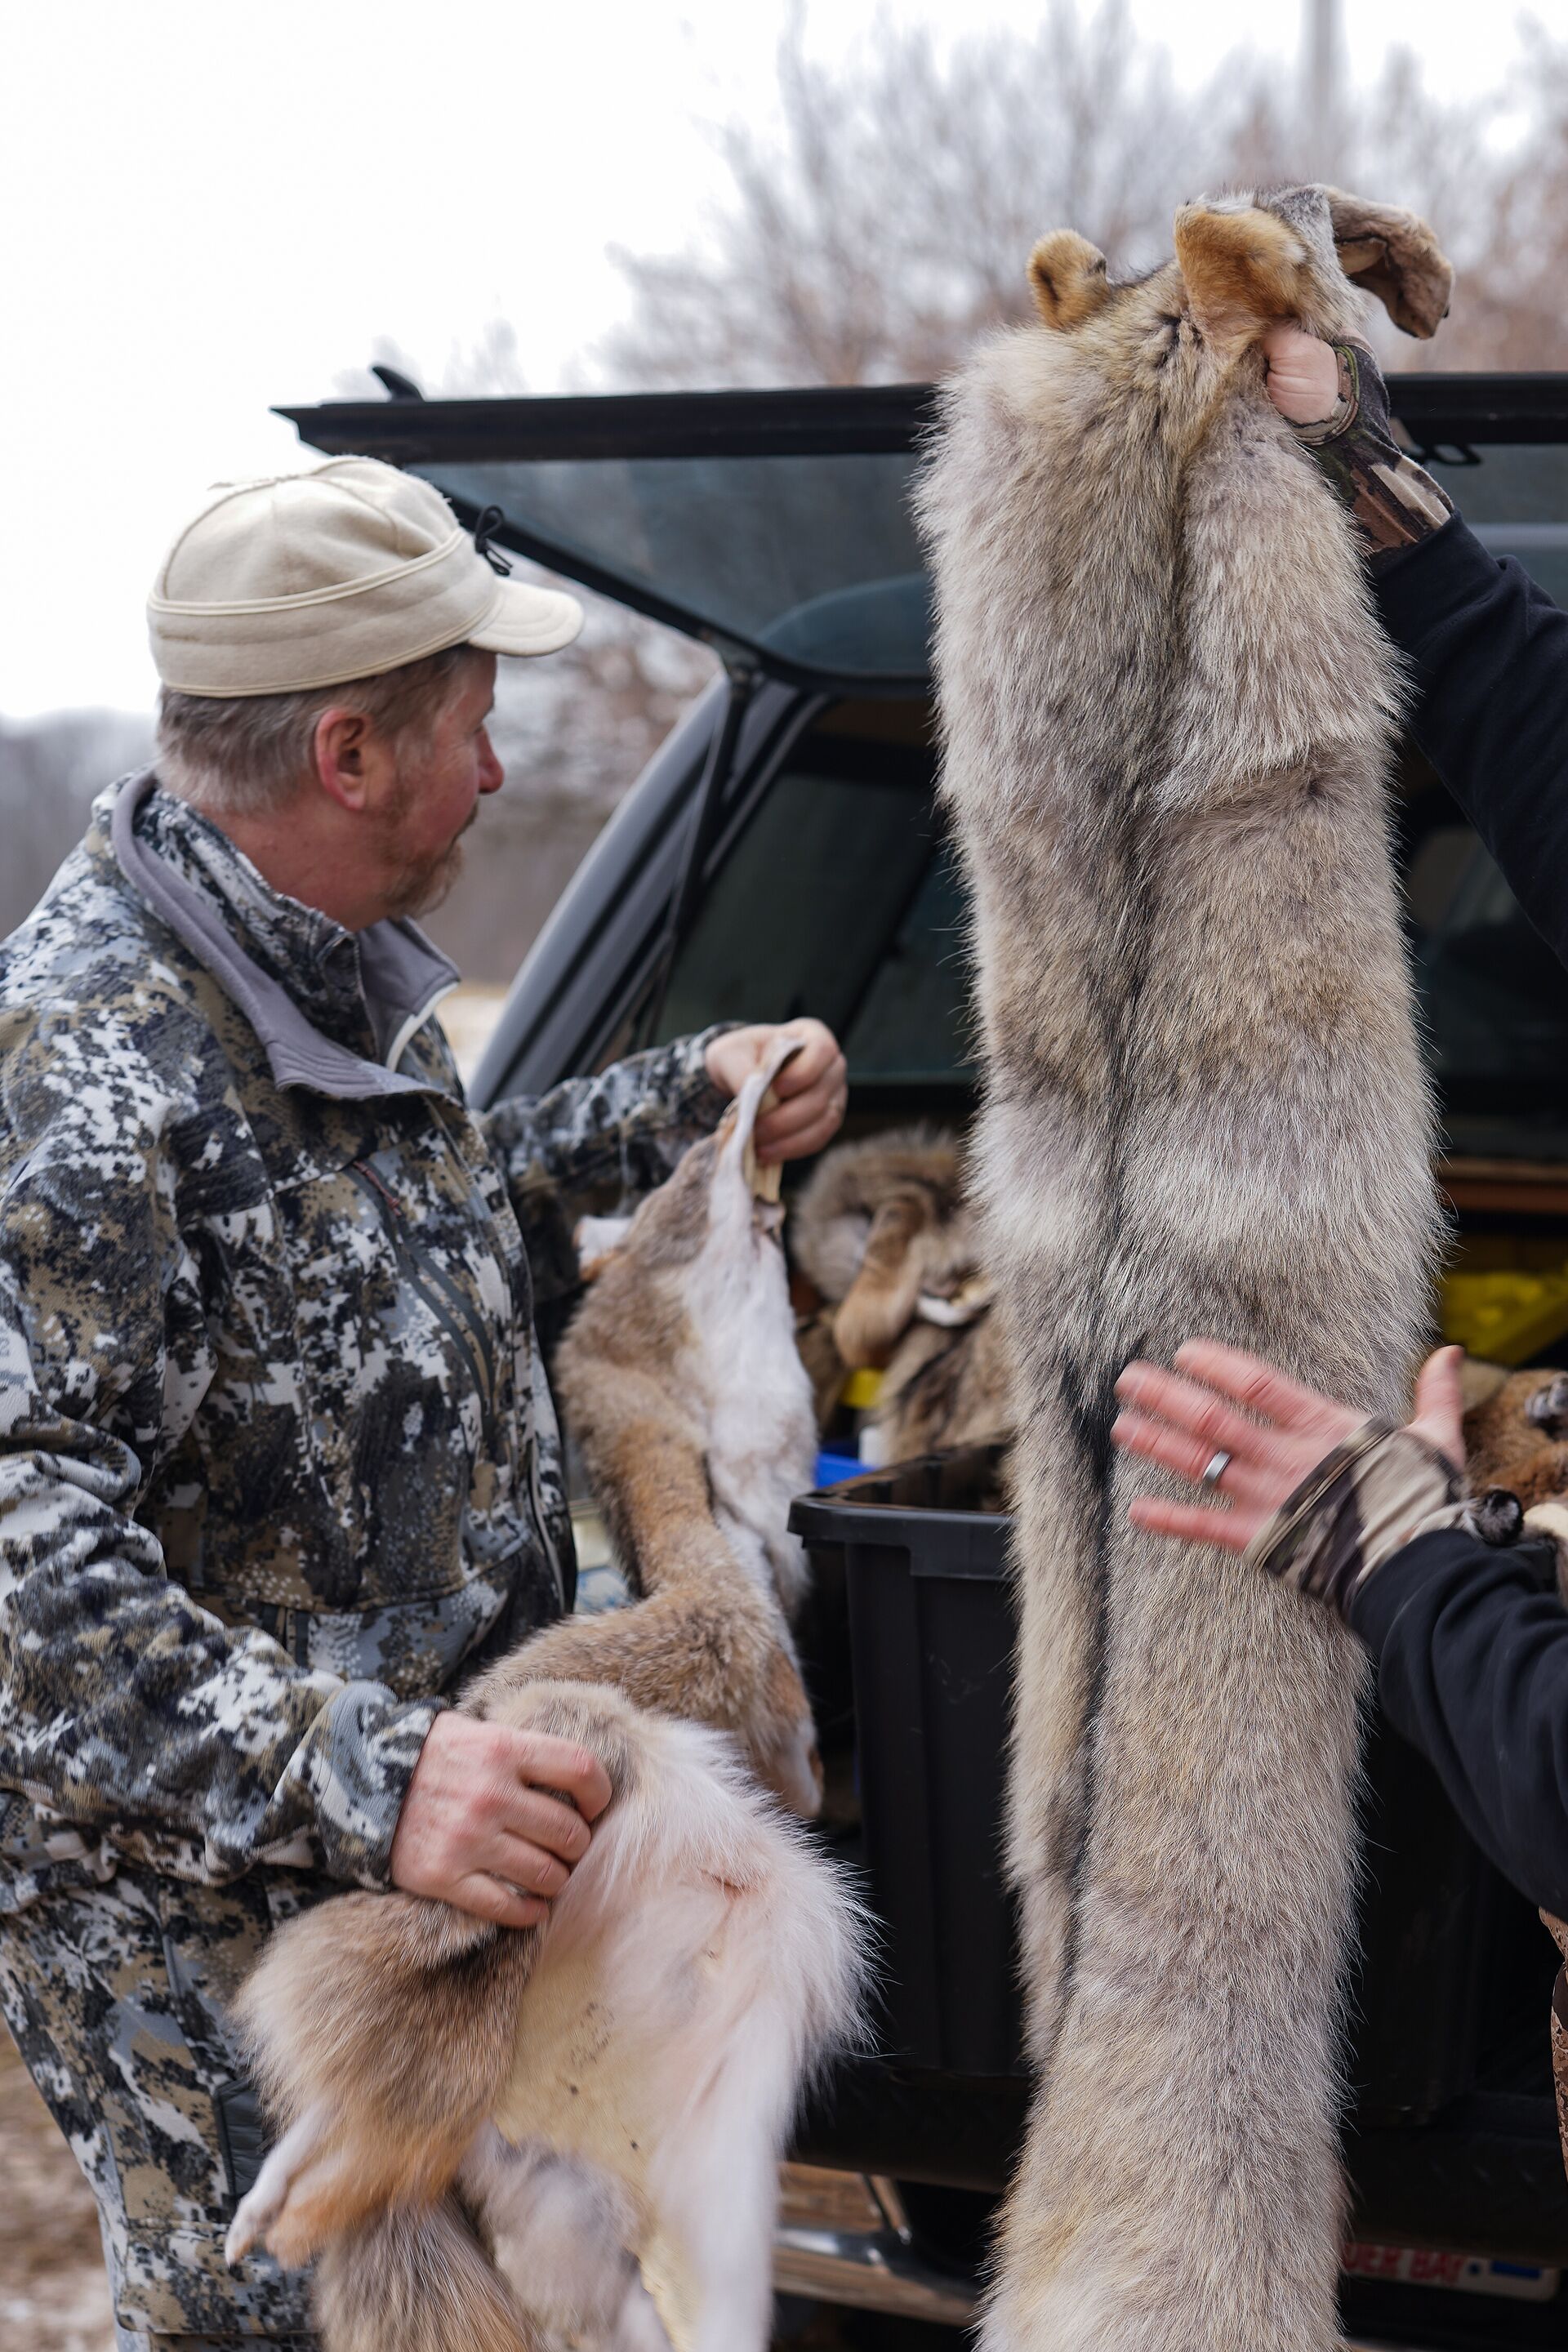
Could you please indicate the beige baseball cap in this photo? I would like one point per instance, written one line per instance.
(308, 580)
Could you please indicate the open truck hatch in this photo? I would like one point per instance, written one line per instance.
(776, 526)
(779, 522)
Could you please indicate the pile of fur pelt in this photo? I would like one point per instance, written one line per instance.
(885, 1237)
(1516, 1455)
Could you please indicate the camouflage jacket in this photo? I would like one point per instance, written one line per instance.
(277, 1452)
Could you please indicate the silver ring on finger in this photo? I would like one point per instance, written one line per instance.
(1214, 1470)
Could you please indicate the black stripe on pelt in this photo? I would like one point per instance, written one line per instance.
(1088, 1400)
(1088, 1391)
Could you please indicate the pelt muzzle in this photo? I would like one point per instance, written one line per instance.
(1168, 712)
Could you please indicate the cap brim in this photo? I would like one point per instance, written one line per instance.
(525, 620)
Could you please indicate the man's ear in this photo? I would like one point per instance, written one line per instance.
(1067, 275)
(353, 762)
(1394, 255)
(1241, 270)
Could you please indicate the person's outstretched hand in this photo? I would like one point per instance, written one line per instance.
(1181, 1419)
(1303, 380)
(482, 1825)
(810, 1092)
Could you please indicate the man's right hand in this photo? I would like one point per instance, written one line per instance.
(482, 1827)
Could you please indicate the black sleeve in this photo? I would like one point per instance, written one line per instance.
(1472, 1667)
(1489, 650)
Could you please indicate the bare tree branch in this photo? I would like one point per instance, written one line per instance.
(886, 222)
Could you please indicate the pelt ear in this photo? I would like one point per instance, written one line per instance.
(1067, 275)
(1242, 269)
(879, 1305)
(1394, 255)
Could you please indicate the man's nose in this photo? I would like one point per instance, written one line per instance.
(492, 775)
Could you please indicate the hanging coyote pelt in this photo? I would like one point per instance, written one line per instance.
(1168, 712)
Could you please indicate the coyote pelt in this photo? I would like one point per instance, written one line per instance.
(885, 1234)
(685, 1395)
(1168, 711)
(516, 2140)
(1516, 1457)
(1517, 1435)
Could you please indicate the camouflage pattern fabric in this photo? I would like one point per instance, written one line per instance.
(278, 1464)
(1392, 501)
(115, 1995)
(1558, 1931)
(1362, 1503)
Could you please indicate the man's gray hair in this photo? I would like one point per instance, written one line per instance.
(247, 755)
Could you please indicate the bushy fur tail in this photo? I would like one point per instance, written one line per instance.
(701, 1961)
(378, 2027)
(417, 2280)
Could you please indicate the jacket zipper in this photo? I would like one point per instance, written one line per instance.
(440, 1293)
(424, 1272)
(535, 1498)
(541, 1518)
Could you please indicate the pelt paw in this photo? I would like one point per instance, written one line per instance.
(1548, 1408)
(253, 2218)
(1497, 1517)
(270, 2213)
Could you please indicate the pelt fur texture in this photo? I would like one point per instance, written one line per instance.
(1168, 713)
(886, 1236)
(516, 2140)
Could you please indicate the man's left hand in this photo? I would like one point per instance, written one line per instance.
(810, 1092)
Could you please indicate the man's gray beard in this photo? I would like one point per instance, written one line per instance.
(422, 890)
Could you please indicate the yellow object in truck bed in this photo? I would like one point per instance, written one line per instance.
(1506, 1297)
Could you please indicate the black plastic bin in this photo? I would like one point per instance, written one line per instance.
(923, 1551)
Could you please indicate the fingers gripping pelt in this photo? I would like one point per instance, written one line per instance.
(1168, 711)
(500, 2139)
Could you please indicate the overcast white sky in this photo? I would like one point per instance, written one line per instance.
(211, 204)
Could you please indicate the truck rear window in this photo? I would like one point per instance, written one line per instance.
(840, 898)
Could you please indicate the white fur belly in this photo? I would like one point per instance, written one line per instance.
(762, 1427)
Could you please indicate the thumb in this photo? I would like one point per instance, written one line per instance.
(1284, 339)
(1439, 1415)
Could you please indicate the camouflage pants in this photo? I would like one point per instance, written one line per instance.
(115, 1995)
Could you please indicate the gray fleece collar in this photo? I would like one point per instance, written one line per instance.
(404, 976)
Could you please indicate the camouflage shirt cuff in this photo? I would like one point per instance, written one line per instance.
(700, 1104)
(1362, 1503)
(1393, 502)
(1346, 407)
(352, 1770)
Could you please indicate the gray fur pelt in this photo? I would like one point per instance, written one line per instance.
(1168, 712)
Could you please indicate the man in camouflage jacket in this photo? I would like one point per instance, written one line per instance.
(277, 1460)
